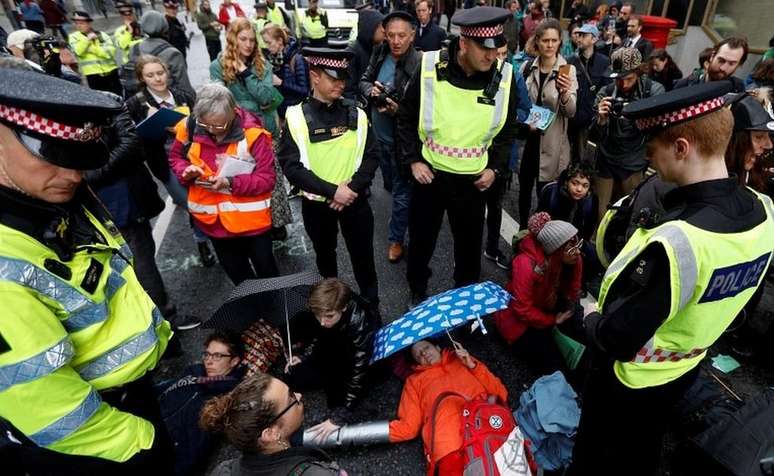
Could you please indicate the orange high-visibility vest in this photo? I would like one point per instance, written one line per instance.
(237, 214)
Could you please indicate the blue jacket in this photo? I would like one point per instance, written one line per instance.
(295, 77)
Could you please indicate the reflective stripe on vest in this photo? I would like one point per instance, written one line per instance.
(82, 311)
(432, 134)
(649, 353)
(245, 207)
(37, 366)
(299, 131)
(68, 423)
(126, 351)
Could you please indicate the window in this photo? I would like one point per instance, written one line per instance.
(751, 18)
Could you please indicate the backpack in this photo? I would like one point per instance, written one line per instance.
(127, 73)
(487, 425)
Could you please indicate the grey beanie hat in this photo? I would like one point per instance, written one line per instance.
(555, 234)
(153, 24)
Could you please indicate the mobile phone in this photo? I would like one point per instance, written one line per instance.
(203, 183)
(564, 70)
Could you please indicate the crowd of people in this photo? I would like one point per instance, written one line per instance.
(288, 117)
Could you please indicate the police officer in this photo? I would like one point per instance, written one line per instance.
(126, 35)
(328, 151)
(78, 335)
(456, 126)
(96, 54)
(675, 286)
(314, 26)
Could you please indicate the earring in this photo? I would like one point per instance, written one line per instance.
(283, 444)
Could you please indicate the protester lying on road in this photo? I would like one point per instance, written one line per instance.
(439, 371)
(258, 417)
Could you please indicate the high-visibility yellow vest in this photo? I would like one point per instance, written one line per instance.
(456, 126)
(258, 25)
(274, 15)
(71, 329)
(124, 41)
(335, 160)
(312, 26)
(94, 57)
(712, 276)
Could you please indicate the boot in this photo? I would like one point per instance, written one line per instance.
(205, 254)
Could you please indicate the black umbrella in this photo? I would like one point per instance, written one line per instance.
(274, 300)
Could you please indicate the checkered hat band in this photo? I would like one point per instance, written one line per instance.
(481, 31)
(680, 115)
(328, 62)
(456, 152)
(47, 127)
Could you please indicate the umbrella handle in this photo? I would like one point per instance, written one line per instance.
(481, 323)
(287, 327)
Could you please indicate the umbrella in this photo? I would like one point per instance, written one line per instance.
(273, 300)
(439, 314)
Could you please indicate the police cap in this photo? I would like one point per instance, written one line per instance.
(80, 15)
(335, 62)
(483, 24)
(677, 106)
(59, 121)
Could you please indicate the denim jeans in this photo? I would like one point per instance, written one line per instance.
(401, 198)
(386, 164)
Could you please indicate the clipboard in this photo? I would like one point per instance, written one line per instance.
(155, 127)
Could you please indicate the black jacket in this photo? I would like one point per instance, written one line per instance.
(697, 78)
(367, 23)
(177, 36)
(430, 37)
(404, 69)
(180, 402)
(293, 461)
(407, 129)
(591, 78)
(667, 77)
(643, 45)
(155, 151)
(124, 184)
(321, 116)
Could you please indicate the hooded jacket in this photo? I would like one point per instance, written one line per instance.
(540, 287)
(420, 393)
(154, 24)
(367, 23)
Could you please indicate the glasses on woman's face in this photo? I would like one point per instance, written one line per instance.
(293, 402)
(212, 127)
(575, 247)
(216, 356)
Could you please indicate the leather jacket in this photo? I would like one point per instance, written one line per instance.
(404, 69)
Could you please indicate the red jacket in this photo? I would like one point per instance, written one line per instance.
(536, 285)
(223, 16)
(420, 392)
(260, 180)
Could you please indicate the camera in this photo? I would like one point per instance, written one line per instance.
(617, 106)
(387, 92)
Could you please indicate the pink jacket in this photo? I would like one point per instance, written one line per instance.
(260, 180)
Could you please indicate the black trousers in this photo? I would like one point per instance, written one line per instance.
(246, 257)
(456, 196)
(494, 213)
(356, 221)
(529, 173)
(213, 48)
(321, 371)
(108, 82)
(621, 429)
(136, 398)
(139, 237)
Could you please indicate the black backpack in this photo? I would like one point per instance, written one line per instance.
(127, 73)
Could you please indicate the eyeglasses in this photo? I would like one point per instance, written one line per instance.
(125, 13)
(295, 402)
(212, 127)
(216, 356)
(572, 249)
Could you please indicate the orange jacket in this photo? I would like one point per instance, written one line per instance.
(420, 392)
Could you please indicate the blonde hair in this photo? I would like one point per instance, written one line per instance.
(145, 60)
(230, 58)
(276, 32)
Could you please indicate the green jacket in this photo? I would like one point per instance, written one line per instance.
(204, 22)
(254, 94)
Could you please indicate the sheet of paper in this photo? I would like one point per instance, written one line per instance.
(231, 166)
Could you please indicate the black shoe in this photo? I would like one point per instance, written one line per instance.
(205, 254)
(499, 259)
(184, 322)
(416, 299)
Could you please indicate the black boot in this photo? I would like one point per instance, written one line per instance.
(205, 254)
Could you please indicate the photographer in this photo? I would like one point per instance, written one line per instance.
(43, 53)
(383, 83)
(621, 157)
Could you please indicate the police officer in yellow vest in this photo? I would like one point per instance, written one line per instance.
(456, 125)
(314, 26)
(328, 151)
(260, 21)
(96, 55)
(78, 334)
(126, 35)
(276, 14)
(675, 286)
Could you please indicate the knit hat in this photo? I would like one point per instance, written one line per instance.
(624, 61)
(537, 221)
(555, 234)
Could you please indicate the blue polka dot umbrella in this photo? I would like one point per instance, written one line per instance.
(439, 314)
